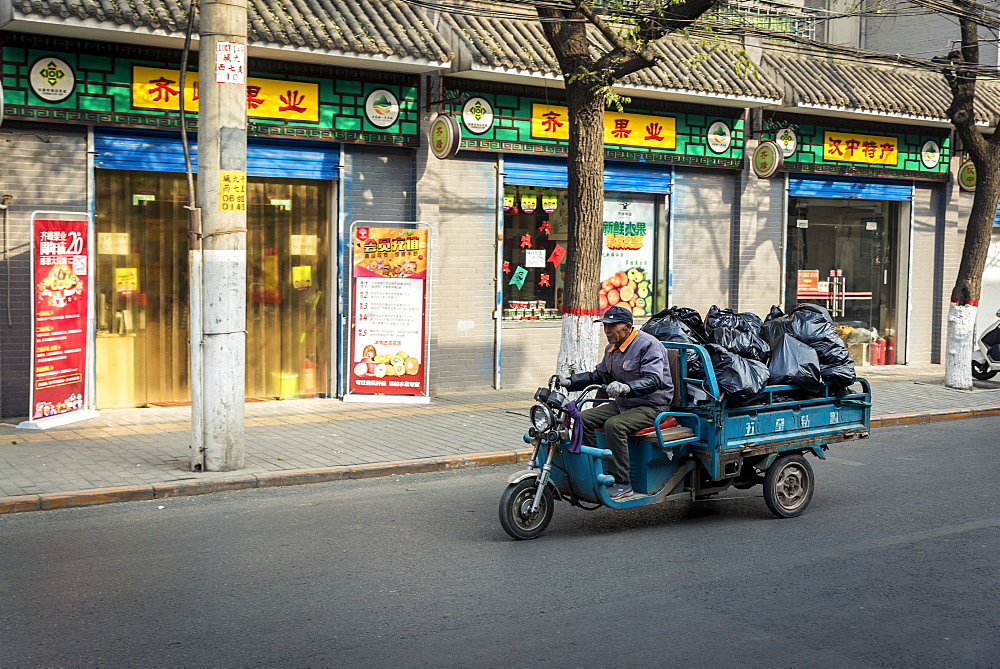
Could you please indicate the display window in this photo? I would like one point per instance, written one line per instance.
(142, 288)
(535, 248)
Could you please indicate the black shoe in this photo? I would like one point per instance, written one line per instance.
(620, 491)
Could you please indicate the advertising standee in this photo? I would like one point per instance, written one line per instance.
(388, 313)
(61, 320)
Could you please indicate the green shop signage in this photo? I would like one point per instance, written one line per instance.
(861, 149)
(98, 83)
(522, 119)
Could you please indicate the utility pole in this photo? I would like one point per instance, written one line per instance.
(218, 346)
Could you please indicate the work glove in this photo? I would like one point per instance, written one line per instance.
(563, 381)
(617, 389)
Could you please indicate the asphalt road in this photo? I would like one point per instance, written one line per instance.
(894, 564)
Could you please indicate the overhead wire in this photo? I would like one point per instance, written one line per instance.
(708, 30)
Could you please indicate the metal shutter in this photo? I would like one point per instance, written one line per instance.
(551, 173)
(817, 185)
(158, 152)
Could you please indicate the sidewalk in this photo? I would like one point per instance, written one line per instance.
(134, 454)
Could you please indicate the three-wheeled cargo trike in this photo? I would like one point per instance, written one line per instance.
(701, 447)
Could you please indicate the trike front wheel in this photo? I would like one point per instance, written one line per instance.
(516, 517)
(788, 486)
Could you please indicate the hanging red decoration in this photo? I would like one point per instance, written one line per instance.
(545, 227)
(543, 280)
(525, 241)
(506, 267)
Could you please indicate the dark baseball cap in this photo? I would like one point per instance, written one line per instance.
(616, 315)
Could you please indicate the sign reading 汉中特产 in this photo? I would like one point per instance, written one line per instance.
(865, 149)
(641, 130)
(154, 88)
(857, 148)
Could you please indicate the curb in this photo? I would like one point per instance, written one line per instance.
(928, 417)
(80, 498)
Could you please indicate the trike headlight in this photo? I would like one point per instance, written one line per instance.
(541, 418)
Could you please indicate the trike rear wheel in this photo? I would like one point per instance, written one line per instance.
(515, 510)
(788, 486)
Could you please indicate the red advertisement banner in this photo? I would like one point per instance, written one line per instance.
(61, 290)
(389, 298)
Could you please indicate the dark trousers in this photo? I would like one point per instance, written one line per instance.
(616, 428)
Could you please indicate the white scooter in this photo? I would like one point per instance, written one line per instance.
(986, 358)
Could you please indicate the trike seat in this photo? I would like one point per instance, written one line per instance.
(669, 433)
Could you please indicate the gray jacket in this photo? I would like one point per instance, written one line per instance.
(642, 365)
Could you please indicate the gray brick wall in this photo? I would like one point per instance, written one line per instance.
(44, 168)
(459, 198)
(702, 250)
(528, 354)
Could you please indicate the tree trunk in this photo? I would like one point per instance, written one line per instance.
(580, 335)
(968, 283)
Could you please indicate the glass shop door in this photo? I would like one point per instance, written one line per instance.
(841, 255)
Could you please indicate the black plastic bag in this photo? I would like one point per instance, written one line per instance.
(727, 318)
(741, 342)
(741, 379)
(680, 325)
(811, 324)
(794, 363)
(773, 325)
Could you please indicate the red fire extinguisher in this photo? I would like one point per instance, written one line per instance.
(308, 378)
(890, 351)
(878, 352)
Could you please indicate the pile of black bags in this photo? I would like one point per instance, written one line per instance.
(800, 348)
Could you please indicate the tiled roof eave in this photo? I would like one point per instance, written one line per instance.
(293, 53)
(532, 77)
(750, 100)
(888, 115)
(92, 29)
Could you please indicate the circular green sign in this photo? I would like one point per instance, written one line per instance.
(967, 176)
(767, 159)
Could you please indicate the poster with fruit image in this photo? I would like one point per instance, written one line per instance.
(627, 258)
(389, 306)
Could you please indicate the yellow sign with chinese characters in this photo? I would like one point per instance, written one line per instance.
(854, 148)
(154, 88)
(642, 130)
(232, 191)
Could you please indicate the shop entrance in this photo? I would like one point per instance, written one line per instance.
(843, 255)
(142, 279)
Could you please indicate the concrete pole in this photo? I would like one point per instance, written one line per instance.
(222, 158)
